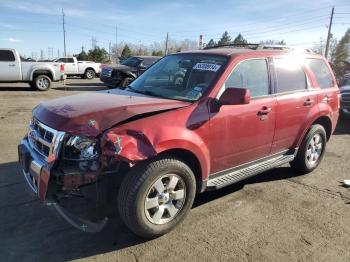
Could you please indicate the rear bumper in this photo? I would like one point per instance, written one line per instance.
(35, 170)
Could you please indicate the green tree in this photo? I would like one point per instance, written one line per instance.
(157, 53)
(126, 53)
(341, 54)
(98, 54)
(82, 56)
(211, 43)
(225, 39)
(240, 40)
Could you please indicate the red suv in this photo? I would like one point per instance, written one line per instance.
(194, 121)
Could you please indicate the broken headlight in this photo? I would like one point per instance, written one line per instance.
(81, 148)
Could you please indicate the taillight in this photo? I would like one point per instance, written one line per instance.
(62, 68)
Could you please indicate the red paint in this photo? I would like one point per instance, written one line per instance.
(219, 139)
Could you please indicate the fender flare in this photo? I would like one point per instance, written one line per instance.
(42, 68)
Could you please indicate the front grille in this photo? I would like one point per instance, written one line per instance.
(44, 139)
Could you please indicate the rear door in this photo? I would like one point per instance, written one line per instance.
(10, 69)
(243, 133)
(329, 91)
(296, 100)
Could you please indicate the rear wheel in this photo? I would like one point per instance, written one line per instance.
(311, 151)
(41, 83)
(89, 74)
(156, 196)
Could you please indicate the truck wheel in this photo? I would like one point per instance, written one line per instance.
(156, 196)
(42, 82)
(126, 81)
(311, 151)
(89, 74)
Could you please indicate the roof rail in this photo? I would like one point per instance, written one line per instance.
(261, 47)
(281, 47)
(248, 46)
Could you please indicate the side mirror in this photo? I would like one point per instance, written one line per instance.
(142, 67)
(235, 96)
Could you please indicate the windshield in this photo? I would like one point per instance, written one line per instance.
(181, 77)
(132, 61)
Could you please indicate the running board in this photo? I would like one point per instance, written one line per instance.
(239, 174)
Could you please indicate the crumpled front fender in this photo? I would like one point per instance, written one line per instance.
(127, 145)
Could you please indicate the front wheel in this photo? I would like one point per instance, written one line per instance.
(125, 82)
(41, 83)
(156, 196)
(311, 151)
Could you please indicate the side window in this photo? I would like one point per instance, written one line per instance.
(321, 71)
(70, 60)
(250, 74)
(6, 56)
(290, 75)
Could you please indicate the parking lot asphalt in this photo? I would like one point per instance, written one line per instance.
(276, 216)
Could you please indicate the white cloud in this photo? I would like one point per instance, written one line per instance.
(13, 40)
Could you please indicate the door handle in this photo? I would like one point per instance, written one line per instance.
(308, 102)
(12, 65)
(264, 111)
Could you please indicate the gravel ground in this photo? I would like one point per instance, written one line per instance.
(276, 216)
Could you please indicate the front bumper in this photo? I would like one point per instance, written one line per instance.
(34, 168)
(37, 173)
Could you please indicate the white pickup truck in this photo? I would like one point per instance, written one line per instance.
(85, 69)
(38, 75)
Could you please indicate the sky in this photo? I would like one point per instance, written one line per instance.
(34, 25)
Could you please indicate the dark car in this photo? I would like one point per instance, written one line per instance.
(122, 75)
(345, 96)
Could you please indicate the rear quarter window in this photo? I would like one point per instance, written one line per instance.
(6, 56)
(290, 75)
(321, 71)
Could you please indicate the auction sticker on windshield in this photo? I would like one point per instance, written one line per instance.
(206, 67)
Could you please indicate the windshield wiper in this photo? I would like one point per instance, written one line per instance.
(146, 92)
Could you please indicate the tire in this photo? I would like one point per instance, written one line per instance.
(311, 151)
(142, 185)
(42, 82)
(126, 81)
(89, 74)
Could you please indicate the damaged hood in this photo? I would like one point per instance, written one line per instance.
(91, 113)
(123, 67)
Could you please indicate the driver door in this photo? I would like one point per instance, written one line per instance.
(244, 133)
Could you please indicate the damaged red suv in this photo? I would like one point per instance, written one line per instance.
(192, 122)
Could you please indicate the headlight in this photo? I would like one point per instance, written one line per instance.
(80, 148)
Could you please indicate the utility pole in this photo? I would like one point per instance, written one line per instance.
(64, 33)
(166, 44)
(329, 33)
(116, 44)
(93, 42)
(109, 51)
